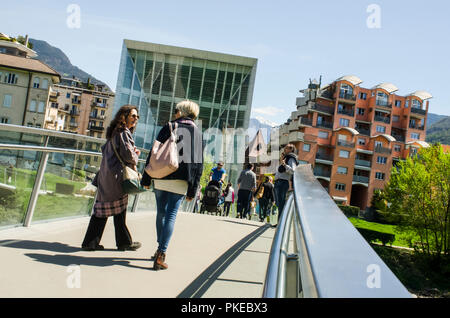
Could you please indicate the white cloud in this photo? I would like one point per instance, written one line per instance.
(269, 110)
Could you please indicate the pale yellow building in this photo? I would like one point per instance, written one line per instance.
(24, 85)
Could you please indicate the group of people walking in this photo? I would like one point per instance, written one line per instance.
(120, 151)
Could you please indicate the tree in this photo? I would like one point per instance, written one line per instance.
(208, 164)
(21, 40)
(418, 196)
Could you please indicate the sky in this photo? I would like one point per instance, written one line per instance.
(406, 43)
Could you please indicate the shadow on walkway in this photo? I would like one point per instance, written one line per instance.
(66, 260)
(202, 283)
(38, 245)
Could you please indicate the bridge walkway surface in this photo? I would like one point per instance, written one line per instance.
(208, 256)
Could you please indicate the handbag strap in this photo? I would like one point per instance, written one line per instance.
(117, 154)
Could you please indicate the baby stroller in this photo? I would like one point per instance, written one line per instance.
(211, 197)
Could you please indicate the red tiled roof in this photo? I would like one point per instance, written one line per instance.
(26, 64)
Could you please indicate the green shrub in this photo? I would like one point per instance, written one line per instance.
(349, 210)
(372, 236)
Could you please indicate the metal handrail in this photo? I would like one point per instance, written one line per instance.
(330, 257)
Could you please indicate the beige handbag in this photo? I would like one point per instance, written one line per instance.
(164, 157)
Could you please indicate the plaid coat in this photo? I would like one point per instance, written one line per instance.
(110, 198)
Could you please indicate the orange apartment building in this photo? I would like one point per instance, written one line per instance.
(80, 108)
(353, 136)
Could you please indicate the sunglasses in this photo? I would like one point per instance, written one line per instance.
(135, 116)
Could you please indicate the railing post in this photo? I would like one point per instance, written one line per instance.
(37, 186)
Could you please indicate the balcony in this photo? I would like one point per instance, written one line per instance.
(323, 109)
(350, 113)
(74, 112)
(363, 163)
(73, 124)
(399, 137)
(322, 173)
(295, 136)
(101, 105)
(361, 179)
(324, 124)
(324, 156)
(97, 117)
(363, 131)
(380, 149)
(96, 128)
(76, 101)
(382, 119)
(347, 96)
(416, 127)
(305, 121)
(418, 111)
(383, 104)
(346, 144)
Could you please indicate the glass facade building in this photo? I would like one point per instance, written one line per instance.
(156, 77)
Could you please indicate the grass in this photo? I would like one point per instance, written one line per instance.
(401, 238)
(418, 274)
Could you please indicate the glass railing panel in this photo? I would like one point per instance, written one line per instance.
(17, 175)
(66, 189)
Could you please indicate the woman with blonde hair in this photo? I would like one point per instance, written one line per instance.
(184, 182)
(111, 200)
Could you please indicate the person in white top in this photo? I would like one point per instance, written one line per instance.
(229, 198)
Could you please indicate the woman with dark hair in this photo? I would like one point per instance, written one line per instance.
(111, 201)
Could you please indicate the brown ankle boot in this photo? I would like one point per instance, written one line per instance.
(159, 261)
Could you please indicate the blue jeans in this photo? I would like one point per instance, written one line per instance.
(167, 204)
(281, 188)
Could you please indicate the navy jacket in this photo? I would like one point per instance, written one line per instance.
(190, 151)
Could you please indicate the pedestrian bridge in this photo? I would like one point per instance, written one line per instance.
(45, 205)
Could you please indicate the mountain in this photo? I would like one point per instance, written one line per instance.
(59, 61)
(261, 123)
(433, 118)
(439, 131)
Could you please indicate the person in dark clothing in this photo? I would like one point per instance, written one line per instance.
(246, 186)
(283, 176)
(183, 183)
(111, 201)
(267, 200)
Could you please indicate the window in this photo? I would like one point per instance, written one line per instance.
(415, 136)
(7, 100)
(398, 103)
(381, 129)
(378, 144)
(41, 107)
(407, 104)
(382, 160)
(395, 118)
(38, 125)
(32, 106)
(342, 137)
(10, 78)
(5, 120)
(397, 148)
(36, 82)
(340, 186)
(344, 122)
(361, 111)
(416, 104)
(306, 147)
(323, 134)
(382, 98)
(44, 83)
(30, 124)
(361, 141)
(68, 95)
(342, 170)
(344, 153)
(379, 175)
(363, 96)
